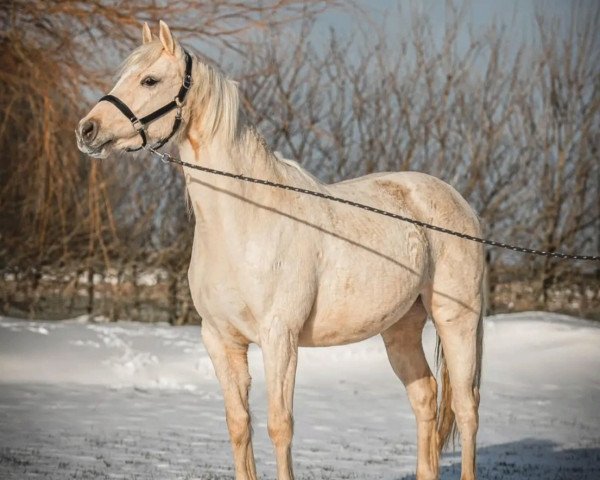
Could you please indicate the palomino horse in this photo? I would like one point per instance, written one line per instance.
(284, 270)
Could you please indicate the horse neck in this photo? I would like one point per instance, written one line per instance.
(250, 156)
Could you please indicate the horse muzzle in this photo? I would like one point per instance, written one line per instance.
(89, 141)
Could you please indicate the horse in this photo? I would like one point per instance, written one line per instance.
(284, 270)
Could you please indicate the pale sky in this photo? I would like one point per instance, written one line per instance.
(518, 15)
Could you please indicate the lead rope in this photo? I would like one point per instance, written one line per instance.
(166, 158)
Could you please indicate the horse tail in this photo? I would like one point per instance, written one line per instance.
(445, 421)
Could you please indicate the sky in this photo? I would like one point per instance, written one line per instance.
(518, 15)
(478, 12)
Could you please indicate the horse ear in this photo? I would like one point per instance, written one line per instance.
(166, 38)
(146, 34)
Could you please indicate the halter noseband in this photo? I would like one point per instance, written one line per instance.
(139, 124)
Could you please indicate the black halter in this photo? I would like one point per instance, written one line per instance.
(140, 123)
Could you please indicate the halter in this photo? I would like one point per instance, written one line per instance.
(139, 124)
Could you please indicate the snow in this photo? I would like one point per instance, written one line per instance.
(83, 399)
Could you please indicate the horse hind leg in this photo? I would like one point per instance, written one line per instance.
(405, 352)
(456, 312)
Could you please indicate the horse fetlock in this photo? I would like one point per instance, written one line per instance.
(425, 474)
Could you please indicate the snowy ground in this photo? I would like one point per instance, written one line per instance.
(134, 401)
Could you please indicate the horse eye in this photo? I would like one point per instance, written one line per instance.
(149, 81)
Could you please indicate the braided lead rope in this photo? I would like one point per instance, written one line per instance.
(165, 157)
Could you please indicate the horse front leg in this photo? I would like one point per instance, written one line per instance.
(280, 356)
(230, 361)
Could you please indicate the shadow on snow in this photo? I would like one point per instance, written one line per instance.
(527, 459)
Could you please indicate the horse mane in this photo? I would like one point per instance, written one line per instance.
(219, 99)
(295, 166)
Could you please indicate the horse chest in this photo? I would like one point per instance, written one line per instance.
(215, 292)
(235, 289)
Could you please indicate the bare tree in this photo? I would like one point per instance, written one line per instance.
(514, 128)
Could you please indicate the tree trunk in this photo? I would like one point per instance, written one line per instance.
(90, 290)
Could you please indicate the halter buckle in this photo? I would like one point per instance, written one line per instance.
(137, 125)
(187, 81)
(179, 104)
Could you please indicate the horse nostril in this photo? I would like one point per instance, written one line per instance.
(89, 130)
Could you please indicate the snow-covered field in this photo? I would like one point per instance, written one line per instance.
(134, 401)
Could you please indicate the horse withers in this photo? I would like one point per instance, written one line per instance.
(285, 270)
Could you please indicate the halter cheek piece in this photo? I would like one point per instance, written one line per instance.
(139, 124)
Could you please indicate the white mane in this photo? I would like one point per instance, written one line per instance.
(219, 96)
(296, 166)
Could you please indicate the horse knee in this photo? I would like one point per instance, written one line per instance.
(239, 428)
(423, 398)
(281, 429)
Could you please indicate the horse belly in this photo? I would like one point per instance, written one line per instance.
(358, 303)
(355, 320)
